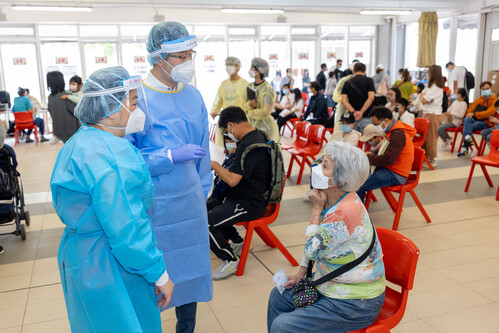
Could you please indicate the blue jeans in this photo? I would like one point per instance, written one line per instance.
(38, 122)
(327, 315)
(487, 133)
(381, 177)
(361, 124)
(186, 317)
(471, 125)
(330, 102)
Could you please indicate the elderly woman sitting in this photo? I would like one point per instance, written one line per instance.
(339, 232)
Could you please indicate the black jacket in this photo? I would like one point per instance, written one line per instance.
(321, 78)
(318, 107)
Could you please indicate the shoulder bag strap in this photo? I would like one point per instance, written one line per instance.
(345, 268)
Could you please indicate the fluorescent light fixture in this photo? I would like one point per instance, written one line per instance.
(52, 9)
(251, 11)
(386, 12)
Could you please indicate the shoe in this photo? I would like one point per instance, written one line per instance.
(307, 195)
(433, 163)
(445, 144)
(474, 153)
(43, 139)
(464, 153)
(237, 248)
(55, 141)
(1, 249)
(469, 140)
(226, 270)
(28, 140)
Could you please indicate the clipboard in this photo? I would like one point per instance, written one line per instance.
(251, 93)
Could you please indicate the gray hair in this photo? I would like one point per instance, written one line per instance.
(233, 61)
(351, 165)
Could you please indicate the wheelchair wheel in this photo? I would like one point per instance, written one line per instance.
(22, 230)
(27, 218)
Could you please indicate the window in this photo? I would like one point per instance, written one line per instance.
(275, 50)
(62, 57)
(135, 58)
(303, 61)
(135, 31)
(411, 46)
(100, 55)
(242, 31)
(495, 35)
(99, 30)
(58, 31)
(443, 42)
(17, 31)
(333, 45)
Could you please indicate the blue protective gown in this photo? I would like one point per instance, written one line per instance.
(108, 262)
(179, 215)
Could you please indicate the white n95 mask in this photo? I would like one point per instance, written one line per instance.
(182, 73)
(230, 145)
(230, 69)
(136, 121)
(319, 181)
(251, 74)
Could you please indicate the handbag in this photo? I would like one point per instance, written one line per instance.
(306, 293)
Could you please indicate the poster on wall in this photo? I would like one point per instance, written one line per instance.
(209, 57)
(139, 59)
(101, 60)
(19, 61)
(331, 55)
(273, 56)
(61, 60)
(359, 54)
(303, 56)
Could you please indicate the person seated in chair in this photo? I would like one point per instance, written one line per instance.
(287, 101)
(244, 197)
(347, 133)
(23, 104)
(317, 107)
(395, 164)
(401, 113)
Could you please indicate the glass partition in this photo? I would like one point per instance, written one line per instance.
(303, 59)
(62, 57)
(333, 45)
(275, 49)
(134, 57)
(100, 55)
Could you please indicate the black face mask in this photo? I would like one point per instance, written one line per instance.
(396, 109)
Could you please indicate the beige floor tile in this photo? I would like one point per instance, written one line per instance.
(11, 317)
(259, 329)
(11, 299)
(15, 282)
(444, 300)
(472, 271)
(207, 322)
(433, 244)
(450, 257)
(476, 237)
(47, 264)
(408, 316)
(44, 278)
(254, 273)
(481, 319)
(23, 267)
(274, 260)
(170, 313)
(431, 280)
(417, 326)
(488, 288)
(45, 294)
(237, 296)
(456, 227)
(46, 311)
(12, 330)
(168, 325)
(243, 317)
(52, 326)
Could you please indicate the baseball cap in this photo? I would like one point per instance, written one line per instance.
(348, 118)
(370, 132)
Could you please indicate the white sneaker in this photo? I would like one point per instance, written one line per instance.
(433, 163)
(237, 248)
(226, 270)
(445, 144)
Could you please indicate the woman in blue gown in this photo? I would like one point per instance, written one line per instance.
(101, 190)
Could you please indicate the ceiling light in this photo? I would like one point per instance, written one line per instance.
(385, 12)
(251, 11)
(52, 8)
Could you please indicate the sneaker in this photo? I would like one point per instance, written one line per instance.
(474, 153)
(307, 195)
(55, 141)
(28, 139)
(445, 144)
(237, 248)
(1, 249)
(469, 140)
(44, 139)
(226, 270)
(433, 163)
(463, 153)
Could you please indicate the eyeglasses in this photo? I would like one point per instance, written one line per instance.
(184, 57)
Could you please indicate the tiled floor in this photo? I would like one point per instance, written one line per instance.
(457, 281)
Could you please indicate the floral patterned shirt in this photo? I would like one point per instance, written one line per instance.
(344, 234)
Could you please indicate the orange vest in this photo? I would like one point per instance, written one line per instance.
(403, 164)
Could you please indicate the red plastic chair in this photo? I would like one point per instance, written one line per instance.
(329, 130)
(411, 184)
(290, 124)
(421, 125)
(456, 131)
(308, 153)
(24, 121)
(302, 129)
(400, 256)
(261, 227)
(492, 159)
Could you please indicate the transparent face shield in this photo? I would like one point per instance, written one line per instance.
(135, 100)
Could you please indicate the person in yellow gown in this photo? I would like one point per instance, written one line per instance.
(232, 92)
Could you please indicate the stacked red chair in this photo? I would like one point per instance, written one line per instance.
(24, 121)
(302, 129)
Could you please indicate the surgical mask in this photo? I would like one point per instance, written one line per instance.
(289, 74)
(230, 70)
(486, 92)
(230, 145)
(396, 109)
(251, 74)
(73, 87)
(346, 128)
(380, 128)
(389, 98)
(182, 73)
(231, 136)
(371, 143)
(319, 181)
(134, 124)
(285, 91)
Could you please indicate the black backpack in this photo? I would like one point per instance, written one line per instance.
(469, 80)
(445, 102)
(274, 193)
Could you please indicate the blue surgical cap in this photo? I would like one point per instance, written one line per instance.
(161, 32)
(92, 109)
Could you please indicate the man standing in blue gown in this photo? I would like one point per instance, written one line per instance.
(175, 147)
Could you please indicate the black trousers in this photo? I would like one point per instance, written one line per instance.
(221, 220)
(282, 120)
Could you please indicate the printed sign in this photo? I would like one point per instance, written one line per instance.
(331, 55)
(61, 60)
(139, 59)
(101, 60)
(359, 54)
(209, 58)
(273, 56)
(303, 56)
(19, 61)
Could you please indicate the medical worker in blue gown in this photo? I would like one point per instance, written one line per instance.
(101, 190)
(175, 146)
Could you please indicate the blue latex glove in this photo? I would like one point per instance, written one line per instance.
(187, 152)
